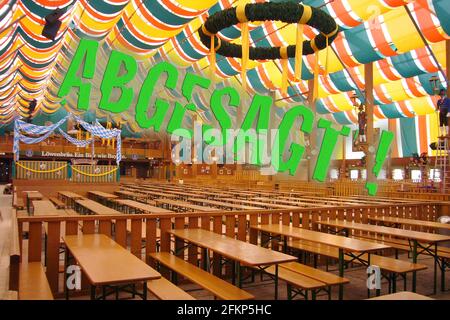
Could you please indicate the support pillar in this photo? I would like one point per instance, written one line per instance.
(447, 61)
(370, 157)
(313, 135)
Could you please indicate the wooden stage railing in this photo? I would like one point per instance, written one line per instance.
(231, 223)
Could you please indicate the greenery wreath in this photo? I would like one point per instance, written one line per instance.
(288, 12)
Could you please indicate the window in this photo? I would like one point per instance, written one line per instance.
(398, 174)
(334, 174)
(364, 174)
(435, 175)
(354, 174)
(416, 175)
(382, 174)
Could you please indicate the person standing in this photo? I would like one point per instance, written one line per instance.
(362, 122)
(443, 106)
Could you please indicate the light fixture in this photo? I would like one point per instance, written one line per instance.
(353, 99)
(434, 84)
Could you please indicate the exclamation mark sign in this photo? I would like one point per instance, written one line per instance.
(383, 147)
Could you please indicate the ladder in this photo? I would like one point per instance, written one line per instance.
(442, 163)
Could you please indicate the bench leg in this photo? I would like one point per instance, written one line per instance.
(435, 269)
(104, 292)
(341, 273)
(443, 266)
(404, 282)
(276, 282)
(93, 288)
(394, 283)
(289, 291)
(414, 257)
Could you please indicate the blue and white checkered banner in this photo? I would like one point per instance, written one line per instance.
(30, 128)
(95, 129)
(28, 140)
(98, 130)
(78, 143)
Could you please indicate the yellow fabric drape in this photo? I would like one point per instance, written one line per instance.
(94, 174)
(87, 138)
(285, 69)
(327, 48)
(306, 15)
(316, 76)
(40, 171)
(242, 18)
(212, 52)
(108, 126)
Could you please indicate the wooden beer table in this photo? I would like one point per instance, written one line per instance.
(69, 197)
(426, 242)
(108, 265)
(240, 252)
(353, 248)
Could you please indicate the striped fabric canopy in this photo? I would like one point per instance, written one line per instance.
(378, 31)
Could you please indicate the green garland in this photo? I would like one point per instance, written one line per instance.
(288, 12)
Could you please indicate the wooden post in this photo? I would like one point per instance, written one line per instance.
(370, 157)
(447, 60)
(343, 164)
(313, 136)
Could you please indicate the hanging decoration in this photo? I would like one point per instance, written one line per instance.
(42, 170)
(94, 174)
(45, 131)
(288, 12)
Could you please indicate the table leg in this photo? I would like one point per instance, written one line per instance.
(66, 264)
(435, 268)
(238, 274)
(144, 294)
(341, 272)
(378, 289)
(414, 258)
(233, 273)
(276, 282)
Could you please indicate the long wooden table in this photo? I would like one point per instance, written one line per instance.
(153, 194)
(183, 205)
(44, 208)
(86, 206)
(296, 202)
(353, 248)
(32, 196)
(403, 295)
(102, 197)
(396, 222)
(106, 263)
(223, 205)
(259, 204)
(130, 195)
(242, 253)
(427, 242)
(139, 206)
(69, 197)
